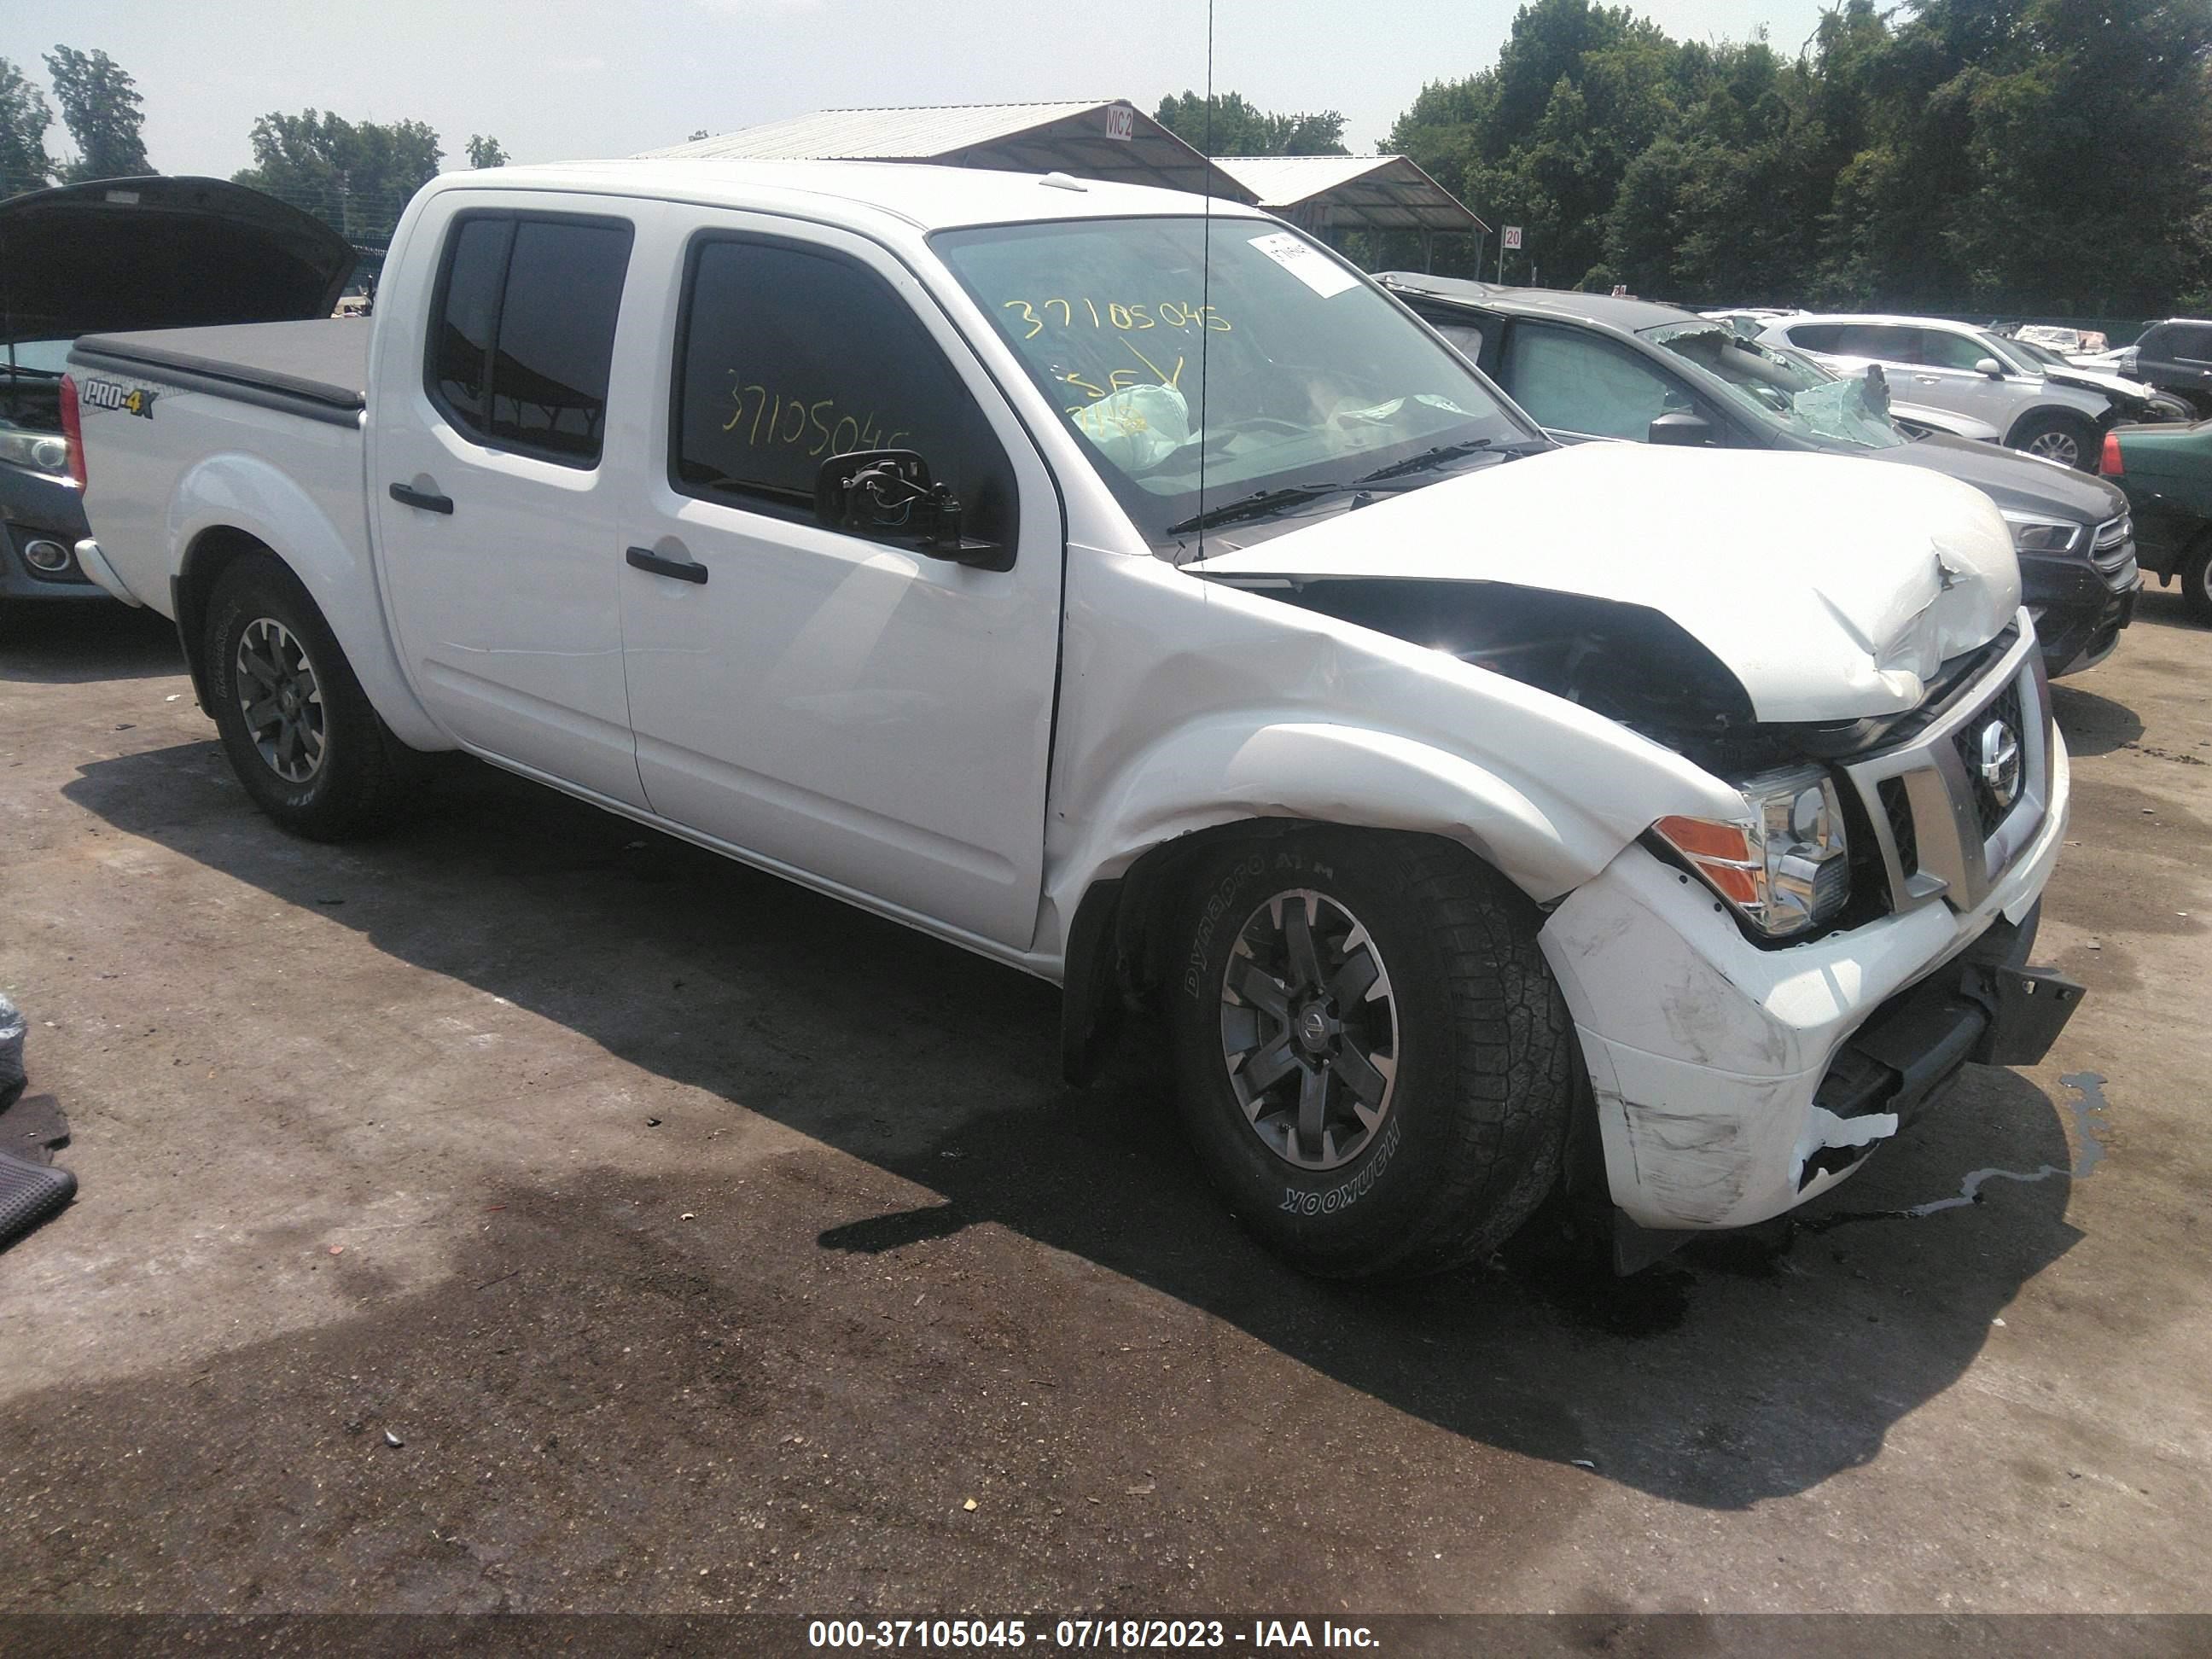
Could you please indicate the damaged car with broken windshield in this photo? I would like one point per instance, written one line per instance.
(1144, 597)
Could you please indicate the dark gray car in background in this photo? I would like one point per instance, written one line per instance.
(125, 254)
(1588, 367)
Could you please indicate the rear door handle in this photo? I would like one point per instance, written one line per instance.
(684, 570)
(423, 498)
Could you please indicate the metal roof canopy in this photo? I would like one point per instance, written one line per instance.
(1078, 138)
(1352, 193)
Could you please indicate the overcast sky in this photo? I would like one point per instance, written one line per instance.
(556, 79)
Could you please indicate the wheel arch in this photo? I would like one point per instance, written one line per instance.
(229, 507)
(2043, 414)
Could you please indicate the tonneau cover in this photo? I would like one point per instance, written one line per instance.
(322, 362)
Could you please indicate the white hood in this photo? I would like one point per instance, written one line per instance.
(1832, 588)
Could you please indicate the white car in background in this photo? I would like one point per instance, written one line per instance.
(1955, 366)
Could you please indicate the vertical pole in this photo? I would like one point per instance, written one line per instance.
(1428, 252)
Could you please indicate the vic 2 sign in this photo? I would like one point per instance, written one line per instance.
(1121, 122)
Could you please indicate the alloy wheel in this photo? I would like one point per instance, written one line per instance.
(1310, 1030)
(280, 699)
(2055, 446)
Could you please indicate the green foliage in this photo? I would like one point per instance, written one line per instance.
(101, 108)
(355, 177)
(486, 152)
(1234, 127)
(25, 116)
(2023, 155)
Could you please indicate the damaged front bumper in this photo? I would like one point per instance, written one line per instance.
(1732, 1082)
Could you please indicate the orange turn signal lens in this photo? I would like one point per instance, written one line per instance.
(1701, 838)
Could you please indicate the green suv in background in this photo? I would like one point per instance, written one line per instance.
(2166, 472)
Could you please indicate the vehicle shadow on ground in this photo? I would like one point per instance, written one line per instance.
(2092, 724)
(1733, 1373)
(73, 644)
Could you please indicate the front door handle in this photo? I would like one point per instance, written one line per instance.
(407, 496)
(644, 558)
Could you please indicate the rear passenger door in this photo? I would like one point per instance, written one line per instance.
(496, 517)
(839, 705)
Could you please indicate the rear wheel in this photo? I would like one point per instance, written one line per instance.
(300, 732)
(1373, 1057)
(2066, 439)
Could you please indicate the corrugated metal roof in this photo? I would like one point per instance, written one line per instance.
(1352, 193)
(1071, 137)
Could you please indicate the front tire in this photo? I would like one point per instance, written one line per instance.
(1373, 1058)
(2196, 581)
(2066, 439)
(300, 732)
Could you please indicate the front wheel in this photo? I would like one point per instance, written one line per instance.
(300, 732)
(2066, 439)
(1373, 1058)
(2196, 581)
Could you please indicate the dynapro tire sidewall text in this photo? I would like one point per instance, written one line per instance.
(1471, 1141)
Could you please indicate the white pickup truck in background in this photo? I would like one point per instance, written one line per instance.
(1140, 596)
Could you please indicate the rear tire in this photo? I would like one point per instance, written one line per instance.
(300, 732)
(2067, 438)
(1388, 1095)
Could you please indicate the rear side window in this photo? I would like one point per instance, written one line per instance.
(789, 355)
(1881, 341)
(2186, 341)
(1814, 336)
(523, 331)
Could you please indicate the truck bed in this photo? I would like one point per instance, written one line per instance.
(318, 368)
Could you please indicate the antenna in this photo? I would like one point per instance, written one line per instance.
(1206, 274)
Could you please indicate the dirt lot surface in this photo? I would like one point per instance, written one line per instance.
(528, 1211)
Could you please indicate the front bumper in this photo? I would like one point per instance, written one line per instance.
(1734, 1083)
(20, 579)
(2081, 603)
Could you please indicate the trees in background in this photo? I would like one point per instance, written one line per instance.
(486, 152)
(355, 176)
(101, 108)
(25, 115)
(1233, 127)
(1997, 154)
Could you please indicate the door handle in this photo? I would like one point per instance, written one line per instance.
(407, 496)
(684, 570)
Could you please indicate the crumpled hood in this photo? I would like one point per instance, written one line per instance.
(156, 253)
(2090, 379)
(1832, 588)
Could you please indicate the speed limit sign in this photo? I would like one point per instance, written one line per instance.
(1513, 236)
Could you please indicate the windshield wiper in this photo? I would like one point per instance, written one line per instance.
(1425, 460)
(1259, 505)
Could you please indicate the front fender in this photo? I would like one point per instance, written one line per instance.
(1228, 771)
(323, 537)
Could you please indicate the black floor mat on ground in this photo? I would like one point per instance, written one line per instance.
(29, 1192)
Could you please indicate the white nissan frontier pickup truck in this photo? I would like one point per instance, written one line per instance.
(1125, 588)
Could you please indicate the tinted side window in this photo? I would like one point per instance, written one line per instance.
(1945, 350)
(460, 355)
(524, 332)
(1815, 337)
(1888, 344)
(1579, 383)
(790, 355)
(2186, 342)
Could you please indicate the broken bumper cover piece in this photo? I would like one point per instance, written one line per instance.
(1733, 1084)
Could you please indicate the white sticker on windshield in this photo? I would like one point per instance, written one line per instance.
(1301, 258)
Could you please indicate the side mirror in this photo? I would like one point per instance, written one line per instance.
(888, 495)
(1681, 428)
(1991, 367)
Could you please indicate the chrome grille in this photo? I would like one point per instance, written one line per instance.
(2112, 551)
(1988, 811)
(1939, 829)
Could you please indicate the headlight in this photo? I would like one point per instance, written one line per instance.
(1783, 867)
(41, 452)
(2032, 535)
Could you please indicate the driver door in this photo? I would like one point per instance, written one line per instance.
(843, 706)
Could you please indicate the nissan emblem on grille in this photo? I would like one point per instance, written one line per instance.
(2000, 762)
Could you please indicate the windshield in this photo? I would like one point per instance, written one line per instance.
(1271, 367)
(2015, 355)
(2041, 354)
(1784, 387)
